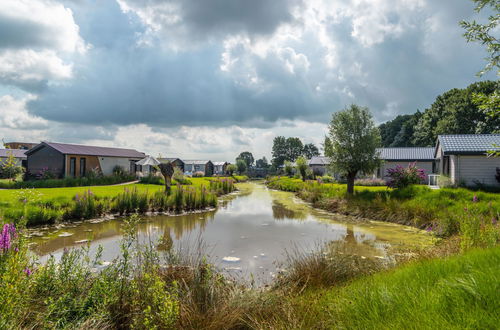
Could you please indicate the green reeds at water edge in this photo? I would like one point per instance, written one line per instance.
(131, 200)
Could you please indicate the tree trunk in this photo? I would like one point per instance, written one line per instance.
(168, 184)
(350, 183)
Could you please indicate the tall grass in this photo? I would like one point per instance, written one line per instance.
(440, 211)
(68, 182)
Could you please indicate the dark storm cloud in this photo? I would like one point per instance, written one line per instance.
(125, 79)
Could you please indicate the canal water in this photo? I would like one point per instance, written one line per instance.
(247, 236)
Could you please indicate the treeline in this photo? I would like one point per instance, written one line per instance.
(455, 112)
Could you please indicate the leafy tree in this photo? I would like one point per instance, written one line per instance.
(455, 112)
(167, 170)
(231, 168)
(399, 131)
(353, 142)
(286, 149)
(247, 157)
(9, 168)
(301, 165)
(241, 165)
(262, 163)
(486, 34)
(288, 167)
(310, 150)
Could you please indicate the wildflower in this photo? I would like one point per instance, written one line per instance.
(474, 199)
(8, 232)
(429, 229)
(27, 271)
(494, 221)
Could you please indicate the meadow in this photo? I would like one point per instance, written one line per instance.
(51, 205)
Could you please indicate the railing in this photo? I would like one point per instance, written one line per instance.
(434, 180)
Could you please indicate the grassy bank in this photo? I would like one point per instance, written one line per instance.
(52, 205)
(142, 289)
(445, 211)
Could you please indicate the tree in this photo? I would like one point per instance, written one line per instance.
(286, 149)
(247, 157)
(455, 112)
(230, 169)
(288, 168)
(310, 151)
(10, 168)
(167, 170)
(301, 165)
(262, 163)
(353, 139)
(241, 165)
(486, 33)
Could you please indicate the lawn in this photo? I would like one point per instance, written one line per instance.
(49, 205)
(461, 292)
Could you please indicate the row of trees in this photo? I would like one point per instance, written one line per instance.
(289, 149)
(458, 111)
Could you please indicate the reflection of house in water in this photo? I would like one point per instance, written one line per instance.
(281, 212)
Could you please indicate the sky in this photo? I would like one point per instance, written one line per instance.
(208, 79)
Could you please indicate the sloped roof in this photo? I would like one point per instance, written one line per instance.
(413, 153)
(196, 162)
(77, 149)
(220, 163)
(18, 153)
(319, 160)
(469, 143)
(149, 160)
(171, 159)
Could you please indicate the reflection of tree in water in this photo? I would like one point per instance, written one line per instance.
(180, 225)
(281, 212)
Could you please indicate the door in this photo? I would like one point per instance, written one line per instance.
(72, 166)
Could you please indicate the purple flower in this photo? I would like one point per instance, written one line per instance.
(8, 232)
(494, 221)
(475, 199)
(27, 271)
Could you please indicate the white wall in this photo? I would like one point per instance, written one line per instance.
(480, 168)
(108, 163)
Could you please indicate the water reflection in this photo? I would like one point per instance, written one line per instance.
(246, 235)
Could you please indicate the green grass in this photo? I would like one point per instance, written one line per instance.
(456, 293)
(441, 210)
(50, 205)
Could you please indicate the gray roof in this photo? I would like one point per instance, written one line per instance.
(76, 149)
(149, 160)
(319, 160)
(414, 153)
(196, 162)
(469, 143)
(18, 153)
(220, 163)
(171, 159)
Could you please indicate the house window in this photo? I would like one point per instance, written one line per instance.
(72, 166)
(83, 166)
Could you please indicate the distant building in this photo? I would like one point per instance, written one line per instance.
(464, 158)
(393, 157)
(72, 160)
(19, 145)
(175, 161)
(319, 165)
(19, 155)
(205, 166)
(220, 168)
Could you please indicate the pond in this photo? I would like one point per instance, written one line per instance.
(248, 235)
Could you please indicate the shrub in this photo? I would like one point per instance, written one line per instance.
(288, 168)
(198, 174)
(327, 179)
(118, 170)
(401, 177)
(370, 182)
(179, 177)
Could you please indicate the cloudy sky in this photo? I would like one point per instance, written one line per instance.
(212, 78)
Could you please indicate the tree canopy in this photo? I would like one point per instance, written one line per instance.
(457, 111)
(289, 149)
(247, 157)
(310, 151)
(352, 143)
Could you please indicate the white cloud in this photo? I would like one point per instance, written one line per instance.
(36, 36)
(13, 114)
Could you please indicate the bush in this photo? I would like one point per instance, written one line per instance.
(370, 182)
(198, 174)
(179, 177)
(400, 177)
(118, 170)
